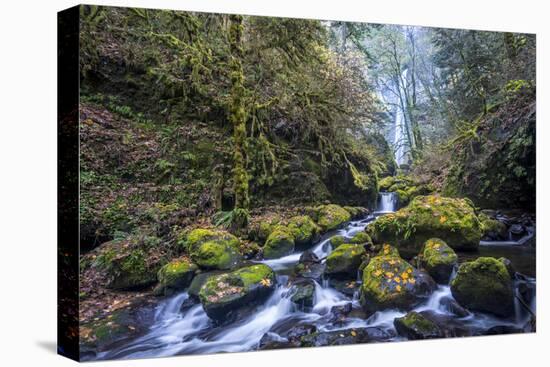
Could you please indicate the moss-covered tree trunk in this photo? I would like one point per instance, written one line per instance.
(238, 113)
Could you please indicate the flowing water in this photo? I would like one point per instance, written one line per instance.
(188, 330)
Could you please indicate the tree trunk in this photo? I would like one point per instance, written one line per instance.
(238, 114)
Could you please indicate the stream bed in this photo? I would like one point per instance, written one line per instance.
(180, 325)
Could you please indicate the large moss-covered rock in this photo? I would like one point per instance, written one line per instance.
(391, 282)
(345, 337)
(279, 243)
(331, 216)
(304, 229)
(438, 259)
(452, 220)
(415, 326)
(130, 263)
(224, 294)
(345, 260)
(484, 285)
(213, 249)
(175, 276)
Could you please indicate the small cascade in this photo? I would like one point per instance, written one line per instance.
(387, 202)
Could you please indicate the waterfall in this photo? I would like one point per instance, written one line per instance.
(399, 126)
(387, 202)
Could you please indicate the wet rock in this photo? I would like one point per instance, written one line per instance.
(361, 238)
(213, 249)
(509, 266)
(175, 276)
(304, 230)
(438, 259)
(453, 307)
(224, 294)
(310, 270)
(308, 257)
(345, 337)
(337, 241)
(293, 329)
(331, 216)
(453, 220)
(484, 285)
(279, 243)
(347, 287)
(415, 326)
(273, 341)
(493, 229)
(503, 329)
(198, 281)
(304, 292)
(340, 313)
(391, 282)
(345, 260)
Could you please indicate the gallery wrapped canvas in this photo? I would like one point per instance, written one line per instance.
(233, 183)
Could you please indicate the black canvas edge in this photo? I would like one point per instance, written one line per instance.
(68, 183)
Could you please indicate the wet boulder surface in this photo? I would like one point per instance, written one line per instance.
(391, 282)
(484, 285)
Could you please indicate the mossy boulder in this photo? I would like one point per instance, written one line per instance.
(345, 337)
(175, 276)
(279, 243)
(356, 212)
(304, 229)
(415, 326)
(484, 285)
(345, 260)
(391, 282)
(131, 263)
(260, 230)
(224, 294)
(361, 238)
(213, 249)
(337, 241)
(492, 228)
(331, 216)
(450, 219)
(438, 259)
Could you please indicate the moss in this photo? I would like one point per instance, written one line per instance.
(213, 249)
(438, 259)
(303, 229)
(279, 243)
(388, 250)
(337, 241)
(391, 282)
(361, 238)
(452, 220)
(415, 326)
(484, 285)
(175, 275)
(346, 259)
(331, 216)
(222, 294)
(493, 228)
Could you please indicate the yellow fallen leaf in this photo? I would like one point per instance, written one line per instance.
(353, 333)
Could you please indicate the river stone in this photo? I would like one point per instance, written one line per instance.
(331, 216)
(224, 294)
(308, 256)
(304, 230)
(361, 238)
(438, 259)
(213, 249)
(345, 337)
(175, 276)
(391, 282)
(415, 326)
(198, 281)
(304, 292)
(337, 241)
(280, 243)
(345, 260)
(453, 307)
(453, 220)
(484, 285)
(493, 230)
